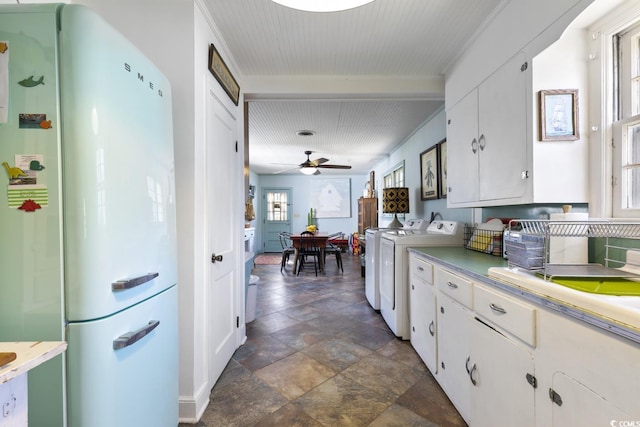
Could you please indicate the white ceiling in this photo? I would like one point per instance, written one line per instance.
(363, 79)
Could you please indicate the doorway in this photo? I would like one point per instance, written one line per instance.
(276, 217)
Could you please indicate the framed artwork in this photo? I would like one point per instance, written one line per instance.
(558, 115)
(429, 180)
(442, 167)
(221, 72)
(331, 197)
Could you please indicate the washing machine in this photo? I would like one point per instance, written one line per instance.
(372, 265)
(394, 265)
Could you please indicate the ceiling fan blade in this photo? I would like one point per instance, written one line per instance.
(334, 166)
(319, 161)
(286, 170)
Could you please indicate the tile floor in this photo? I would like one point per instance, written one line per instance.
(318, 355)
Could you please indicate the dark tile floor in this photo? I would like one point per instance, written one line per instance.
(318, 355)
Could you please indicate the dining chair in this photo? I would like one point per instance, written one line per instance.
(308, 248)
(287, 248)
(334, 249)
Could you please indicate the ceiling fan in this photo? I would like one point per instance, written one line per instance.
(310, 167)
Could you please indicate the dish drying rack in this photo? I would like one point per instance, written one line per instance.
(527, 244)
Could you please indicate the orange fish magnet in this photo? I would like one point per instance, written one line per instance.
(45, 124)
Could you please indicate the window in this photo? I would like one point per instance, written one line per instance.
(277, 206)
(626, 126)
(394, 177)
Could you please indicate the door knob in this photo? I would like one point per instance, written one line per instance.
(215, 258)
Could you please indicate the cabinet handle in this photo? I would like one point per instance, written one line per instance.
(452, 285)
(420, 268)
(431, 328)
(466, 364)
(471, 371)
(482, 142)
(497, 308)
(474, 145)
(413, 288)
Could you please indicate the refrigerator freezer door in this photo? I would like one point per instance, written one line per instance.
(118, 177)
(123, 369)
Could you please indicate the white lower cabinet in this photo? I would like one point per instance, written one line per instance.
(504, 360)
(422, 312)
(454, 297)
(454, 333)
(574, 404)
(502, 373)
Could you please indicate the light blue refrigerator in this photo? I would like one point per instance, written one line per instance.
(88, 218)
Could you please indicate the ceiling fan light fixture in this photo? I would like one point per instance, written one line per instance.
(308, 170)
(322, 5)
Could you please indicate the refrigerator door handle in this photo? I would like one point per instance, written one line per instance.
(131, 338)
(123, 284)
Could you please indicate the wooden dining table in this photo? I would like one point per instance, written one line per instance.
(320, 240)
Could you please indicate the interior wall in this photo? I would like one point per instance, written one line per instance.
(301, 202)
(432, 131)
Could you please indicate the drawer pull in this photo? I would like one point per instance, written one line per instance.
(452, 285)
(420, 268)
(431, 328)
(497, 308)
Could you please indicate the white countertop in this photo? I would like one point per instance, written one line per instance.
(621, 310)
(29, 355)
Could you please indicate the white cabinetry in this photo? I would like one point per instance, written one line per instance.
(501, 368)
(487, 139)
(454, 338)
(422, 311)
(586, 376)
(577, 405)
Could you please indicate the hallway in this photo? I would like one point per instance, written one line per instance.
(318, 355)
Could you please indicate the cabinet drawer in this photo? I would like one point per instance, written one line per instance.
(421, 269)
(456, 287)
(513, 316)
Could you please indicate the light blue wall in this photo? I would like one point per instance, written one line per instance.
(432, 131)
(301, 202)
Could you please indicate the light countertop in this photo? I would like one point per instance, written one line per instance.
(29, 355)
(616, 314)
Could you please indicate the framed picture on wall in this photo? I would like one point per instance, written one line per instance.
(442, 167)
(558, 115)
(429, 182)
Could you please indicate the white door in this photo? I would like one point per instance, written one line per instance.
(221, 156)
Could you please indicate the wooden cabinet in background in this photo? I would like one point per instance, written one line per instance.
(367, 214)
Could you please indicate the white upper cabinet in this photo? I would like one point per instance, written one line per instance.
(487, 139)
(495, 154)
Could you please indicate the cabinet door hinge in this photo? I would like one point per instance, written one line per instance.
(555, 397)
(532, 380)
(237, 321)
